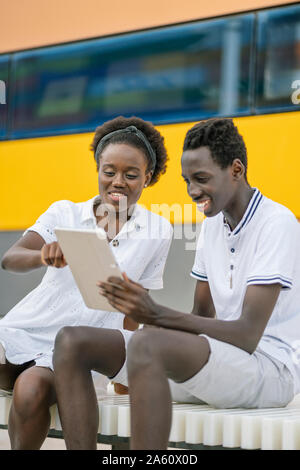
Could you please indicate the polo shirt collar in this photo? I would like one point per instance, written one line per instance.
(137, 221)
(249, 213)
(88, 210)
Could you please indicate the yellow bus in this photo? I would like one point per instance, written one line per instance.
(66, 67)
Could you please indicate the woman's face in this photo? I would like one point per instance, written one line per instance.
(122, 175)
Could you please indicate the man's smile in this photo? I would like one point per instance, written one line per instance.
(202, 204)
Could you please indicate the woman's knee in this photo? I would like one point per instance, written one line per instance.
(33, 393)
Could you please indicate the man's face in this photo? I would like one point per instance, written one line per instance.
(210, 186)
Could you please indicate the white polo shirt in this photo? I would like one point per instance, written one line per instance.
(263, 249)
(141, 247)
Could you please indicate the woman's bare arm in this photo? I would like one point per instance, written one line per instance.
(25, 254)
(31, 252)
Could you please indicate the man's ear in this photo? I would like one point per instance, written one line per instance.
(238, 169)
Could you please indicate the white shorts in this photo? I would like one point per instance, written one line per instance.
(233, 378)
(121, 377)
(100, 381)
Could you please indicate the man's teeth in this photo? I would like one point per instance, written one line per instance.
(202, 205)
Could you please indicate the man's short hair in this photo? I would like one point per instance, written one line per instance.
(222, 138)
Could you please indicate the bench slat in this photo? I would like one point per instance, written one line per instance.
(194, 426)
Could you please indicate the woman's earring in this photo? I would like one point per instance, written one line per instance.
(145, 185)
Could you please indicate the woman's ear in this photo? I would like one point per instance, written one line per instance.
(148, 178)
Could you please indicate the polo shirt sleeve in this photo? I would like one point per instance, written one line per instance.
(199, 270)
(152, 277)
(274, 259)
(46, 223)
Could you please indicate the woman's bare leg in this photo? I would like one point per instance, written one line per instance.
(33, 394)
(78, 351)
(10, 372)
(29, 418)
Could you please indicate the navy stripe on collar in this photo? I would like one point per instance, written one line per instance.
(253, 205)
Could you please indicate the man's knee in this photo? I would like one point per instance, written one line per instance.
(68, 345)
(142, 350)
(180, 355)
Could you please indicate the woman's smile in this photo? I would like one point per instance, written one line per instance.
(117, 196)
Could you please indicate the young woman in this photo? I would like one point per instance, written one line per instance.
(130, 156)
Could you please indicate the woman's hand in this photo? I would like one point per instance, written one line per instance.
(51, 255)
(130, 298)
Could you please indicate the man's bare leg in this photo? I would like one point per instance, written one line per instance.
(154, 355)
(78, 351)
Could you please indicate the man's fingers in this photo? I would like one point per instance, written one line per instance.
(127, 284)
(119, 304)
(115, 280)
(115, 291)
(126, 278)
(112, 283)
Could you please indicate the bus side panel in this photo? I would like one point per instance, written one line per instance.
(37, 172)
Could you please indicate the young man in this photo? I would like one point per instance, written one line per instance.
(236, 348)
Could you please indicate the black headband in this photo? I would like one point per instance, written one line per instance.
(131, 130)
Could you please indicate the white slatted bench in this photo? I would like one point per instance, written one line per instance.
(195, 426)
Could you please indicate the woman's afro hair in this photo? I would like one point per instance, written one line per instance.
(155, 139)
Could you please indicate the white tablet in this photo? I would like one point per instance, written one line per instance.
(90, 259)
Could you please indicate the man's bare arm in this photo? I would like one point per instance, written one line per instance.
(244, 332)
(203, 302)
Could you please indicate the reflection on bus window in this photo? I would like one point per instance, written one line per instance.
(3, 94)
(279, 57)
(165, 75)
(62, 96)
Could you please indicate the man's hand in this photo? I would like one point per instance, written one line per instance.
(51, 255)
(130, 298)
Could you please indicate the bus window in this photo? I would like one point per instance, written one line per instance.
(278, 65)
(4, 61)
(166, 75)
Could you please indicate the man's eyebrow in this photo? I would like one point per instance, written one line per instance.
(201, 173)
(198, 173)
